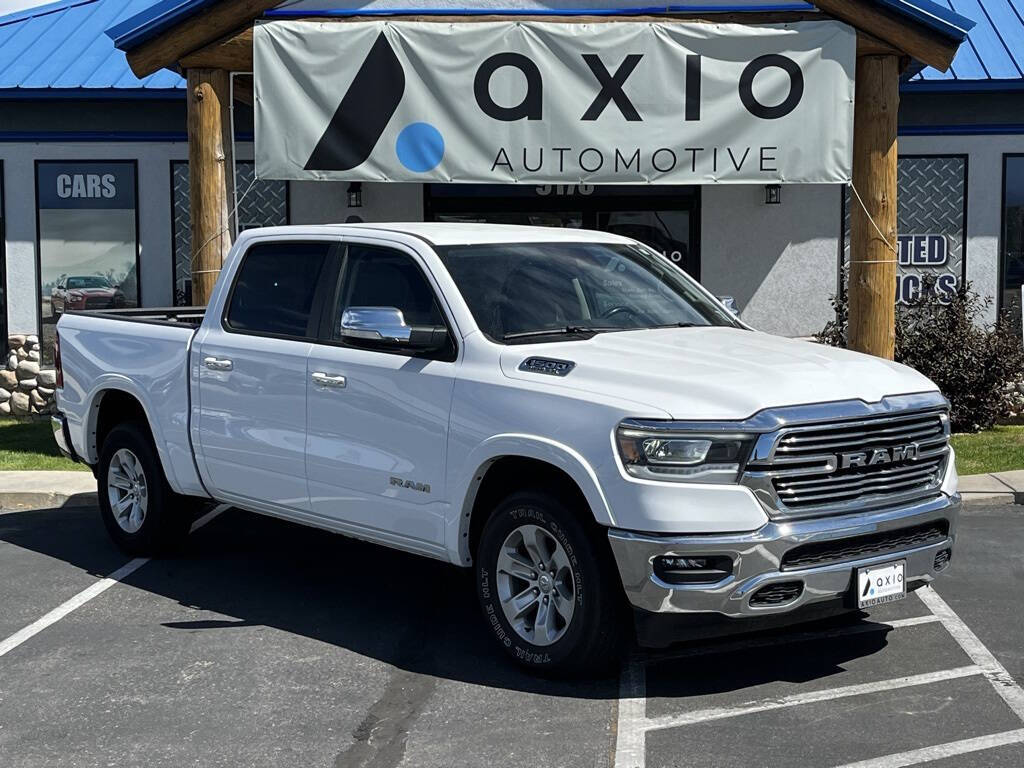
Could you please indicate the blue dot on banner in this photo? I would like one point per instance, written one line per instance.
(420, 147)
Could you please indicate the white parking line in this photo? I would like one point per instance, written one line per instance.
(630, 744)
(996, 673)
(952, 749)
(812, 697)
(90, 592)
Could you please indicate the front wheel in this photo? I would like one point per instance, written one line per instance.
(140, 511)
(545, 583)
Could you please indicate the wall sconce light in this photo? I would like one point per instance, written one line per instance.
(355, 194)
(773, 194)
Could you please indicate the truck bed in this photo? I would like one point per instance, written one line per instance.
(190, 316)
(143, 353)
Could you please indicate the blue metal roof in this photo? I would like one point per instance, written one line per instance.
(993, 56)
(61, 49)
(166, 13)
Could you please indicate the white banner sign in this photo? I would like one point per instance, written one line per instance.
(555, 103)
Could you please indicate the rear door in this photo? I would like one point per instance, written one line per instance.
(377, 443)
(252, 374)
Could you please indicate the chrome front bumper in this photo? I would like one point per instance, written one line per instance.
(758, 556)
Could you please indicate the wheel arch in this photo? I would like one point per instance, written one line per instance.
(116, 401)
(500, 463)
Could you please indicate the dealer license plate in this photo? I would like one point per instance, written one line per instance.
(881, 584)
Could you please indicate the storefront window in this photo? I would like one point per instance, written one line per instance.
(88, 240)
(1013, 234)
(265, 205)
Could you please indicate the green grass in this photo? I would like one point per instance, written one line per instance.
(996, 450)
(30, 445)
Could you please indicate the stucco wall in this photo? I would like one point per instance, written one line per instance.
(326, 202)
(778, 261)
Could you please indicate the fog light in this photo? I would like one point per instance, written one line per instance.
(692, 569)
(942, 559)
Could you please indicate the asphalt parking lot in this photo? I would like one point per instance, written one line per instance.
(268, 644)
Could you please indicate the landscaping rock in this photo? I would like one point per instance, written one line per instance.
(12, 361)
(33, 355)
(44, 391)
(21, 353)
(4, 395)
(27, 385)
(20, 404)
(36, 399)
(8, 380)
(27, 369)
(32, 339)
(5, 409)
(47, 378)
(15, 341)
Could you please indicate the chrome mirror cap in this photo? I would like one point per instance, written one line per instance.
(375, 323)
(730, 304)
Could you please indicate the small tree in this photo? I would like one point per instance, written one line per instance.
(944, 336)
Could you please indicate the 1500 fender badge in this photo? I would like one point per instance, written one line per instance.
(410, 484)
(547, 365)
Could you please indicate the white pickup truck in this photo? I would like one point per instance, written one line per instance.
(563, 411)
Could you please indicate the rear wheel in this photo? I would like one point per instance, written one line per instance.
(545, 585)
(141, 513)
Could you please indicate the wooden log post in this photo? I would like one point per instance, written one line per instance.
(211, 176)
(872, 286)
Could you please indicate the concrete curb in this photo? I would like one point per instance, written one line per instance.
(46, 490)
(25, 500)
(1007, 487)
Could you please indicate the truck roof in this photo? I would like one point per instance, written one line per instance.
(454, 233)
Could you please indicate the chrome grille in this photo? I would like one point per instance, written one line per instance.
(848, 465)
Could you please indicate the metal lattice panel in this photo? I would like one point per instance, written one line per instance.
(931, 201)
(264, 205)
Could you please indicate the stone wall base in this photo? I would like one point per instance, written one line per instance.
(26, 390)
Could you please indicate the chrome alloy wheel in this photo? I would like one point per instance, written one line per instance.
(536, 585)
(127, 491)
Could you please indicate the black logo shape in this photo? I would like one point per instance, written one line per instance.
(364, 112)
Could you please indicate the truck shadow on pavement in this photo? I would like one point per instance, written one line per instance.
(414, 613)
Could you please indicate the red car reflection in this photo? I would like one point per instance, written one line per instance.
(85, 292)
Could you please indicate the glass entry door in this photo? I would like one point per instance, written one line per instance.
(663, 217)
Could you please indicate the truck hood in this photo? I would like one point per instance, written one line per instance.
(714, 373)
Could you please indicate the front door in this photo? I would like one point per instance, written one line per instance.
(252, 376)
(377, 433)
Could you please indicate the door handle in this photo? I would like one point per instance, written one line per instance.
(217, 365)
(326, 380)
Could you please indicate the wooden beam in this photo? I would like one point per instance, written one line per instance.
(232, 52)
(872, 288)
(918, 41)
(194, 33)
(211, 176)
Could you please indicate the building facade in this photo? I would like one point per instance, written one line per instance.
(94, 186)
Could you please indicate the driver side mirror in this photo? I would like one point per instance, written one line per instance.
(386, 327)
(730, 304)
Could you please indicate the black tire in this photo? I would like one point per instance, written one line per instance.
(592, 639)
(167, 515)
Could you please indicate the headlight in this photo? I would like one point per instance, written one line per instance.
(683, 457)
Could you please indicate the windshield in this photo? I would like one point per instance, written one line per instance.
(531, 290)
(88, 281)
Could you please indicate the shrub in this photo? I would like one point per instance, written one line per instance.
(946, 338)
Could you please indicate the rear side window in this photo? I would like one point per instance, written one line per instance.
(275, 288)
